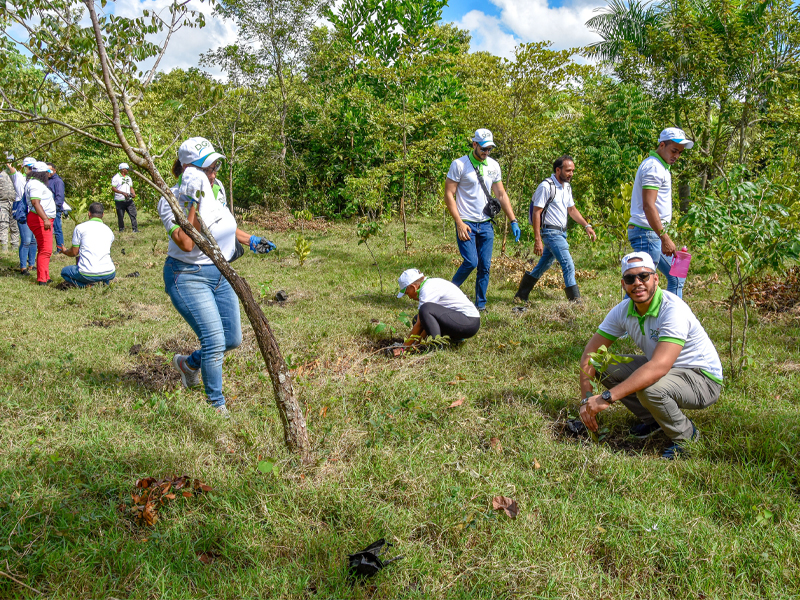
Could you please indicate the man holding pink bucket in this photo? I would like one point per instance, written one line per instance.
(651, 208)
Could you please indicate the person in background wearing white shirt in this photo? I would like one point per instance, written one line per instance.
(680, 368)
(551, 204)
(122, 186)
(465, 199)
(444, 310)
(41, 212)
(91, 243)
(651, 204)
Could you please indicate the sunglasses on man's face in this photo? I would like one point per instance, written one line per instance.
(631, 279)
(485, 150)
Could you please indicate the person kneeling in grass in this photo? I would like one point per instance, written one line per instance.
(680, 368)
(444, 310)
(91, 243)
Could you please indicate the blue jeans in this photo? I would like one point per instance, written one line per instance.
(645, 240)
(555, 248)
(27, 246)
(477, 253)
(57, 231)
(207, 302)
(71, 275)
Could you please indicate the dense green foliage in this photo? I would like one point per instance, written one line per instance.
(350, 119)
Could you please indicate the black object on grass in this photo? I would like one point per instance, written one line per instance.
(281, 296)
(134, 274)
(368, 562)
(576, 427)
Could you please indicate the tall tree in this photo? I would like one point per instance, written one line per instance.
(103, 57)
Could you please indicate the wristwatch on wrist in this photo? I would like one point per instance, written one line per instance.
(586, 397)
(607, 397)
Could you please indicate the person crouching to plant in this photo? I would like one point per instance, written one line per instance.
(444, 310)
(680, 369)
(91, 243)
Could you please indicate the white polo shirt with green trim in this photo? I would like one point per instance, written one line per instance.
(94, 238)
(470, 197)
(653, 174)
(669, 319)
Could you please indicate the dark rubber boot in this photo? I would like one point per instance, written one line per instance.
(525, 286)
(573, 293)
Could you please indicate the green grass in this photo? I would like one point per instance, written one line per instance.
(81, 419)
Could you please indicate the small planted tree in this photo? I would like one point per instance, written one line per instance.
(368, 228)
(601, 361)
(746, 228)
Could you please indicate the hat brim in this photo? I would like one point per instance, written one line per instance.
(487, 145)
(401, 293)
(687, 144)
(209, 160)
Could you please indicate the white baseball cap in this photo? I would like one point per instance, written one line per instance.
(199, 152)
(123, 166)
(408, 277)
(41, 167)
(484, 138)
(28, 161)
(634, 260)
(673, 134)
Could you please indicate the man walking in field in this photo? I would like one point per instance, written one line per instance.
(651, 204)
(466, 195)
(122, 186)
(680, 368)
(552, 203)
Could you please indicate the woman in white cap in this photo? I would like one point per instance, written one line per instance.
(444, 310)
(41, 212)
(122, 186)
(27, 243)
(199, 292)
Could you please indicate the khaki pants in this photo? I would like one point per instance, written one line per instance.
(686, 389)
(8, 226)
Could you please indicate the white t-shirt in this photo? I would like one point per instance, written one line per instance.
(18, 179)
(194, 185)
(223, 230)
(470, 198)
(556, 214)
(94, 238)
(36, 189)
(123, 184)
(669, 319)
(653, 174)
(447, 294)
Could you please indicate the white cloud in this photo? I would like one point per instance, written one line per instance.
(530, 21)
(487, 34)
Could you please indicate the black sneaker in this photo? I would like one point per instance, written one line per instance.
(675, 449)
(644, 430)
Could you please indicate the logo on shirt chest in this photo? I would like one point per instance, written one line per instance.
(654, 334)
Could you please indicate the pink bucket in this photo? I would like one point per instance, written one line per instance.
(680, 263)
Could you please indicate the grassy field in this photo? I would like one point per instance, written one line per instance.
(89, 404)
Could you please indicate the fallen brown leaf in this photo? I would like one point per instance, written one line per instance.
(496, 445)
(458, 402)
(507, 505)
(323, 411)
(536, 464)
(206, 557)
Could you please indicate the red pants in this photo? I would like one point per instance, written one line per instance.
(44, 242)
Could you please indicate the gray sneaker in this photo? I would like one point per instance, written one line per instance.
(189, 377)
(223, 412)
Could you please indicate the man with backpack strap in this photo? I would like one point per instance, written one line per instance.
(467, 195)
(552, 203)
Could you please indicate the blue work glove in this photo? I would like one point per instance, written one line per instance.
(261, 246)
(516, 230)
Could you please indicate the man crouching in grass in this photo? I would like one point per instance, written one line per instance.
(91, 243)
(680, 368)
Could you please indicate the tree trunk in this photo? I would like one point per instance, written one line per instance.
(403, 194)
(294, 425)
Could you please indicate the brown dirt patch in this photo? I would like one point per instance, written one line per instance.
(153, 373)
(281, 222)
(776, 293)
(107, 322)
